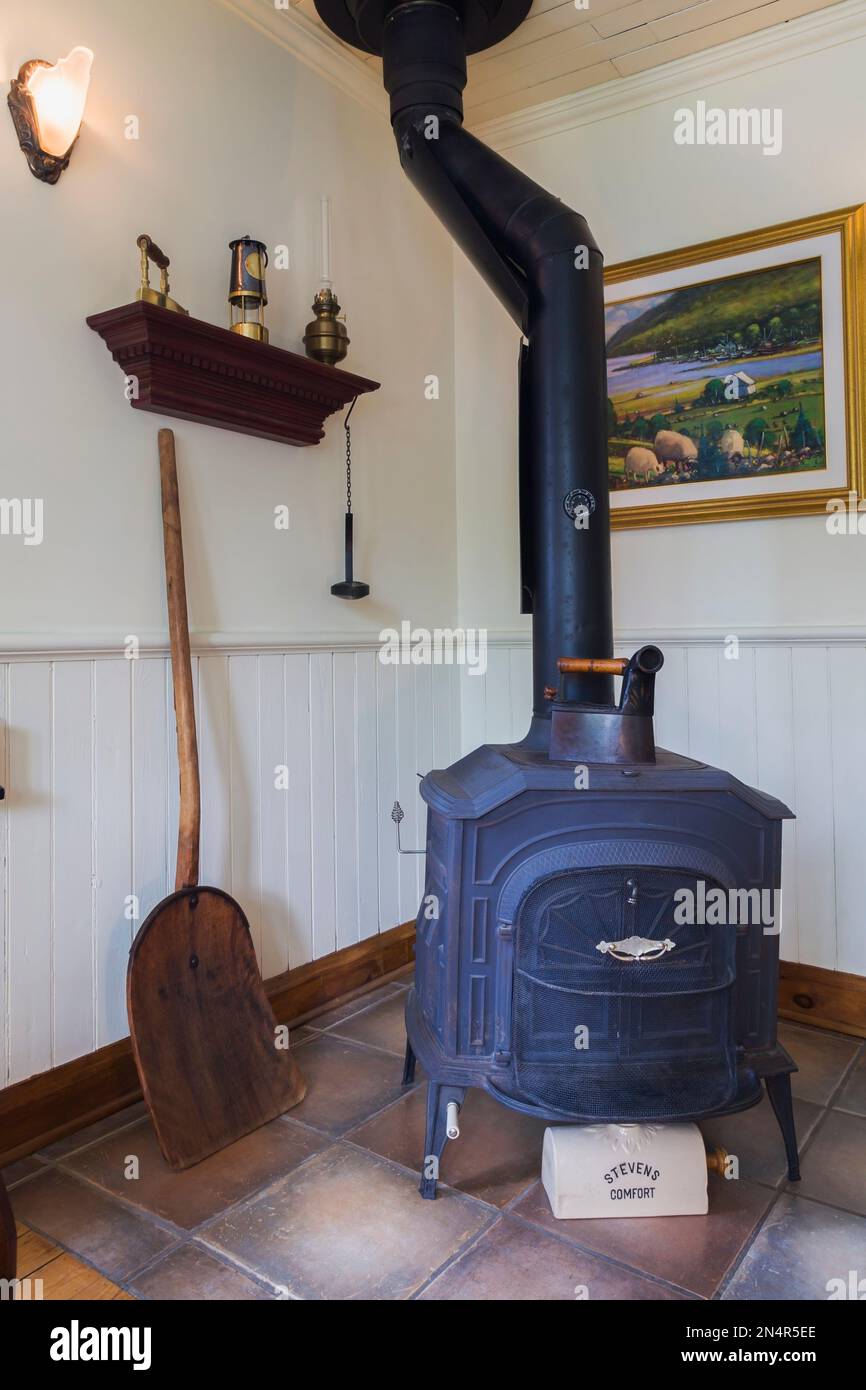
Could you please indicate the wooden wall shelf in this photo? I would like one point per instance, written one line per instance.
(195, 371)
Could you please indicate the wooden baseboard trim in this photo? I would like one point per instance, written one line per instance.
(44, 1108)
(822, 998)
(55, 1103)
(300, 994)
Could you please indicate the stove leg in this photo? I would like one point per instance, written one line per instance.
(779, 1091)
(438, 1100)
(409, 1065)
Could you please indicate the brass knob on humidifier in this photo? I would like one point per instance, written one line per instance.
(326, 338)
(717, 1161)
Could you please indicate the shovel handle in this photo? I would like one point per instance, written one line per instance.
(181, 670)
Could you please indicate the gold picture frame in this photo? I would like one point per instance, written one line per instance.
(850, 225)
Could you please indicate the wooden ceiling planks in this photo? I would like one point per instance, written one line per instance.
(561, 49)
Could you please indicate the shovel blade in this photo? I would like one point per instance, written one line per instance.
(203, 1032)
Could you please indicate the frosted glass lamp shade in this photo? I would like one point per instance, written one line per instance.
(59, 94)
(46, 101)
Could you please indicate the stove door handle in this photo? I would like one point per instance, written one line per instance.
(634, 948)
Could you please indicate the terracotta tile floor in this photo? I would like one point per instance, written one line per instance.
(323, 1203)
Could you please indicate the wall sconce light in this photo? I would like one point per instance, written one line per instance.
(47, 104)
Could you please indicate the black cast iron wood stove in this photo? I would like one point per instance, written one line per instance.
(553, 971)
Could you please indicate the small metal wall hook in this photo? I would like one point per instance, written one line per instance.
(397, 814)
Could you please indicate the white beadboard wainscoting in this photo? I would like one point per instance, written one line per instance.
(90, 817)
(788, 716)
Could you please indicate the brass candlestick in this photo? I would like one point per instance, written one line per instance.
(326, 338)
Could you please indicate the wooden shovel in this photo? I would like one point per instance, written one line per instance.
(203, 1033)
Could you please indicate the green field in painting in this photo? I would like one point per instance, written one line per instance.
(748, 323)
(696, 416)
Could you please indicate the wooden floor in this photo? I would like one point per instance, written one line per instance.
(61, 1275)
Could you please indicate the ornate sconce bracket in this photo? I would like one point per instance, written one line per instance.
(47, 167)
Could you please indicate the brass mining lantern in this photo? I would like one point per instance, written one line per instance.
(247, 293)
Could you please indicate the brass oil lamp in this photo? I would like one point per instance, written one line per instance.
(326, 338)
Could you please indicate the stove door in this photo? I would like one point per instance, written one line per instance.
(620, 1011)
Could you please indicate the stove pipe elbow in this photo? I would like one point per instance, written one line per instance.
(540, 259)
(424, 68)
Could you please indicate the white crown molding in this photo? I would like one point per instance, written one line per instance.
(316, 47)
(796, 38)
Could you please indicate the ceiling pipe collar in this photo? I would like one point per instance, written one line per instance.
(361, 23)
(424, 62)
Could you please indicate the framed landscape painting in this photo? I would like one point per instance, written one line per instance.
(734, 375)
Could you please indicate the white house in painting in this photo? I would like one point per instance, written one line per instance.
(746, 385)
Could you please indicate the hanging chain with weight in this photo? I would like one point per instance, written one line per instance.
(347, 427)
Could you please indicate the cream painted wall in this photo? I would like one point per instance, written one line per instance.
(641, 193)
(236, 137)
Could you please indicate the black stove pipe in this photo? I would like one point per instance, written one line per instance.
(539, 258)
